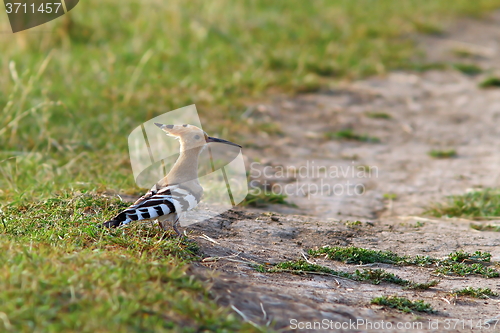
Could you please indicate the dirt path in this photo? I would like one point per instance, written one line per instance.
(431, 110)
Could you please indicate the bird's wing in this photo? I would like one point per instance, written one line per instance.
(159, 201)
(156, 192)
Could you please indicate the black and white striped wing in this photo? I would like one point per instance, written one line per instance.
(171, 199)
(184, 199)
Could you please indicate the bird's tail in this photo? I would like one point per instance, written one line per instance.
(112, 224)
(116, 221)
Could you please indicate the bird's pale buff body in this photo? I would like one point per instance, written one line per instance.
(179, 191)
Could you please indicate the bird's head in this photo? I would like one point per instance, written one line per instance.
(191, 136)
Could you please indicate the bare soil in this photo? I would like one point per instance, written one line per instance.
(431, 110)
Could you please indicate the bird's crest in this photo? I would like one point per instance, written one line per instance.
(179, 131)
(190, 136)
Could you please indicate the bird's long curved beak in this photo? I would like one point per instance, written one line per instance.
(210, 139)
(164, 126)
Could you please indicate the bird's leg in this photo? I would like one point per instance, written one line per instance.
(174, 226)
(162, 227)
(161, 223)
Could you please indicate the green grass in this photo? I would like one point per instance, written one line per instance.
(72, 222)
(474, 292)
(463, 263)
(462, 269)
(459, 256)
(468, 69)
(373, 276)
(443, 153)
(378, 115)
(474, 204)
(483, 227)
(403, 304)
(73, 89)
(353, 224)
(457, 263)
(418, 224)
(426, 66)
(376, 276)
(51, 290)
(269, 128)
(422, 286)
(356, 255)
(390, 196)
(428, 28)
(165, 55)
(463, 53)
(264, 198)
(61, 272)
(299, 267)
(491, 82)
(349, 134)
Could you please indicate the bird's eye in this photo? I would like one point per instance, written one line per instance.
(197, 137)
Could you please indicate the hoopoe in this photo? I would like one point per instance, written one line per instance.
(177, 192)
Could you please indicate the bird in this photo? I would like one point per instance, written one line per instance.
(179, 191)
